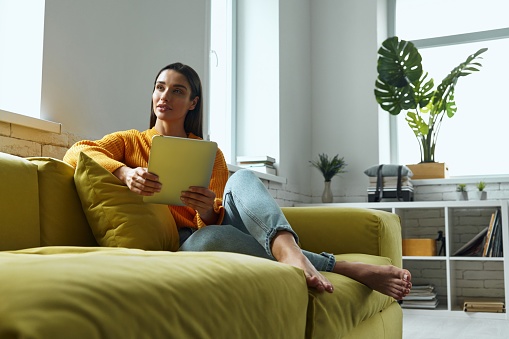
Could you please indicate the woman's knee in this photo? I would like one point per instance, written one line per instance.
(243, 175)
(224, 238)
(208, 238)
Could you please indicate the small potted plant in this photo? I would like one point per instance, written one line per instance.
(329, 168)
(461, 192)
(480, 194)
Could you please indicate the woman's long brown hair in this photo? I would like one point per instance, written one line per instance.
(194, 118)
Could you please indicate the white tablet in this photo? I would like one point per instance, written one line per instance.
(179, 163)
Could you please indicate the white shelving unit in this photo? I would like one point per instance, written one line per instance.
(459, 221)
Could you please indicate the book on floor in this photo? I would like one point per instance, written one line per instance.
(421, 296)
(494, 305)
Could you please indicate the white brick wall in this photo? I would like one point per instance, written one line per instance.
(28, 142)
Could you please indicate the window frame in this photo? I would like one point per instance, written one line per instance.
(442, 41)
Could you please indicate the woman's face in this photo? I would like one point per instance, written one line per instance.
(171, 99)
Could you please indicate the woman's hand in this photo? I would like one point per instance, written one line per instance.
(139, 180)
(201, 199)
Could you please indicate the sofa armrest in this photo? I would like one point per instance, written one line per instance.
(341, 230)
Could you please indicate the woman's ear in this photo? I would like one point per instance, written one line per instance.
(194, 103)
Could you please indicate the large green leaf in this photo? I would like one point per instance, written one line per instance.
(417, 124)
(450, 106)
(393, 99)
(399, 63)
(446, 88)
(399, 75)
(423, 90)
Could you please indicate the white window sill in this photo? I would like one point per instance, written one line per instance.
(264, 176)
(26, 121)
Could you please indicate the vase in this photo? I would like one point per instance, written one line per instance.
(429, 170)
(461, 195)
(327, 193)
(478, 195)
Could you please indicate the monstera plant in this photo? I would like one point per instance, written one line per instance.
(403, 86)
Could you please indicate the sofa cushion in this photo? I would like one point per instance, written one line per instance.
(128, 293)
(119, 217)
(19, 203)
(351, 303)
(62, 220)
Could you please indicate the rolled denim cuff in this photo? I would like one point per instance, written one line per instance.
(272, 233)
(331, 261)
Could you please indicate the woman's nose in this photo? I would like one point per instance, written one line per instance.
(165, 96)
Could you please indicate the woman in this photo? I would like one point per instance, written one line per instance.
(240, 215)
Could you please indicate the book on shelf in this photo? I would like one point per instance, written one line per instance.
(268, 169)
(493, 242)
(494, 305)
(260, 159)
(390, 182)
(488, 235)
(262, 163)
(474, 247)
(425, 304)
(421, 296)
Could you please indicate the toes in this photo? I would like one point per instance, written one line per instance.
(318, 284)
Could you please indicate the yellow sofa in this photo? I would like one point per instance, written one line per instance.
(56, 282)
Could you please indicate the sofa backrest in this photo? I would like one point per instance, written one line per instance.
(39, 205)
(19, 203)
(62, 220)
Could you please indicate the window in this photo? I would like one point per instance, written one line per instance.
(244, 77)
(473, 141)
(21, 56)
(221, 77)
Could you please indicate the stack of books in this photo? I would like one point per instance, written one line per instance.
(484, 305)
(391, 183)
(389, 187)
(263, 164)
(421, 296)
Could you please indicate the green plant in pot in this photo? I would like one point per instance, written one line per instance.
(329, 169)
(461, 192)
(480, 193)
(403, 86)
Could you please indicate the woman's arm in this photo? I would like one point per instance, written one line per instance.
(109, 151)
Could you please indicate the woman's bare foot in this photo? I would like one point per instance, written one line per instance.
(387, 279)
(286, 250)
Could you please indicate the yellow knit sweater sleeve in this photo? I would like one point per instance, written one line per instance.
(130, 148)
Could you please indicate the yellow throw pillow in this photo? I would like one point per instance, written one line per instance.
(119, 217)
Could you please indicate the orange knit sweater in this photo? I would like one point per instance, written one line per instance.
(132, 148)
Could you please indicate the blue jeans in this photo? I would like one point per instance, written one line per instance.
(252, 219)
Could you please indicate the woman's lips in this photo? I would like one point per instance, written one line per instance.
(163, 108)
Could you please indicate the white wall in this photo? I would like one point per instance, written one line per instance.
(345, 120)
(101, 58)
(295, 94)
